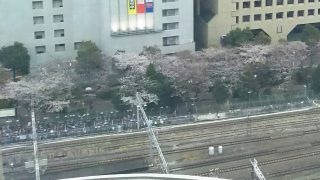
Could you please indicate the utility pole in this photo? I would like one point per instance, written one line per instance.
(138, 119)
(35, 144)
(152, 137)
(256, 172)
(249, 106)
(248, 126)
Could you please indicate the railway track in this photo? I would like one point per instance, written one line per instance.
(293, 170)
(222, 134)
(261, 163)
(203, 128)
(304, 118)
(74, 164)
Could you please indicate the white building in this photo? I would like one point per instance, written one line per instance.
(53, 29)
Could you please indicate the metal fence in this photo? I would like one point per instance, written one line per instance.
(56, 125)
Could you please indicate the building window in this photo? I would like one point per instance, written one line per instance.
(37, 5)
(268, 16)
(290, 2)
(170, 12)
(237, 19)
(40, 49)
(257, 3)
(237, 5)
(300, 13)
(310, 12)
(279, 15)
(246, 4)
(38, 20)
(77, 45)
(318, 11)
(268, 2)
(311, 1)
(60, 47)
(57, 3)
(279, 29)
(165, 1)
(58, 18)
(257, 17)
(59, 33)
(39, 35)
(290, 14)
(246, 18)
(169, 26)
(170, 41)
(279, 2)
(300, 1)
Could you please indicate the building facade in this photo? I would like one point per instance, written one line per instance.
(277, 18)
(54, 29)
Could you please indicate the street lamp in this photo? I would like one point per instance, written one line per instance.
(115, 114)
(249, 106)
(195, 108)
(305, 90)
(12, 167)
(111, 118)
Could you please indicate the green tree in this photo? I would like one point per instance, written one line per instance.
(150, 50)
(89, 57)
(117, 102)
(162, 87)
(282, 41)
(302, 75)
(16, 57)
(262, 38)
(220, 94)
(238, 37)
(257, 78)
(310, 35)
(152, 73)
(4, 75)
(315, 80)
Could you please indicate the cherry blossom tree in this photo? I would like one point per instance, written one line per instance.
(133, 68)
(288, 56)
(189, 73)
(193, 73)
(46, 88)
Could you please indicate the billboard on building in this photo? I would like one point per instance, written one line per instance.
(140, 7)
(149, 6)
(132, 7)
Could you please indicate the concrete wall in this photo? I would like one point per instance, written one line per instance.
(133, 165)
(91, 20)
(201, 33)
(73, 156)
